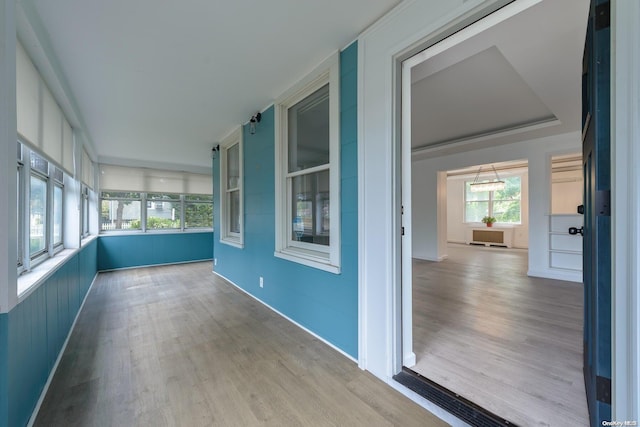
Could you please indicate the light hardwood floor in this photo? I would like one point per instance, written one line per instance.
(178, 346)
(508, 342)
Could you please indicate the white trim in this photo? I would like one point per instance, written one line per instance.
(407, 245)
(625, 157)
(157, 265)
(557, 274)
(52, 373)
(362, 265)
(461, 142)
(226, 236)
(311, 255)
(348, 356)
(309, 260)
(406, 304)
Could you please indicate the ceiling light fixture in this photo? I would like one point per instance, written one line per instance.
(494, 185)
(255, 119)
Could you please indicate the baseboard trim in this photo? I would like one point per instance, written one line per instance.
(155, 265)
(45, 389)
(568, 276)
(333, 346)
(409, 360)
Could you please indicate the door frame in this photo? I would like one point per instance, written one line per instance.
(492, 18)
(381, 48)
(625, 196)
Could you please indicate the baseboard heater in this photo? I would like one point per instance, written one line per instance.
(490, 236)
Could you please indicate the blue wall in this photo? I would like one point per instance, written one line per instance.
(137, 250)
(32, 334)
(323, 302)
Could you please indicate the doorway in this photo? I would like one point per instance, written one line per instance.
(453, 76)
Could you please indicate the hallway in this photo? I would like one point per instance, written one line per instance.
(177, 345)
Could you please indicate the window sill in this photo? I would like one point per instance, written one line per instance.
(155, 231)
(31, 280)
(309, 258)
(236, 243)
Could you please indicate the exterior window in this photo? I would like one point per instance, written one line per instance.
(37, 216)
(85, 211)
(20, 210)
(307, 187)
(198, 211)
(57, 215)
(231, 202)
(39, 209)
(163, 211)
(120, 211)
(504, 204)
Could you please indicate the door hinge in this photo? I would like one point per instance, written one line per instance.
(603, 389)
(603, 203)
(402, 230)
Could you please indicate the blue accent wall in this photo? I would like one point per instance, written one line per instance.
(137, 250)
(323, 302)
(32, 334)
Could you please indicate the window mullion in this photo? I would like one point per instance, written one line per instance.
(143, 212)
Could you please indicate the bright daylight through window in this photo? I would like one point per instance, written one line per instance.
(504, 204)
(307, 197)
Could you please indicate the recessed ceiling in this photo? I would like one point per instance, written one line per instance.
(516, 81)
(158, 83)
(479, 95)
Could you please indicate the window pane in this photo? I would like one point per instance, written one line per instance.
(19, 216)
(119, 195)
(233, 166)
(198, 215)
(198, 198)
(40, 164)
(506, 205)
(234, 211)
(85, 215)
(120, 215)
(57, 215)
(310, 208)
(308, 131)
(163, 212)
(163, 196)
(474, 196)
(37, 215)
(507, 211)
(475, 211)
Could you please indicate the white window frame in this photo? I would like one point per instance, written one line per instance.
(490, 201)
(226, 235)
(84, 211)
(309, 254)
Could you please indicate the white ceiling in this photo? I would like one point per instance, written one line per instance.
(487, 90)
(158, 83)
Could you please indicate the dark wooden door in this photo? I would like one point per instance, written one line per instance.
(597, 214)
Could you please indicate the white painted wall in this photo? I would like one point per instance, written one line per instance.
(8, 139)
(456, 227)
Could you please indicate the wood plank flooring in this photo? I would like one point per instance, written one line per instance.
(178, 346)
(508, 342)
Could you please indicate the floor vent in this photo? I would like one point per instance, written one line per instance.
(446, 399)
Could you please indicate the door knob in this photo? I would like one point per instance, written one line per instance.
(574, 230)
